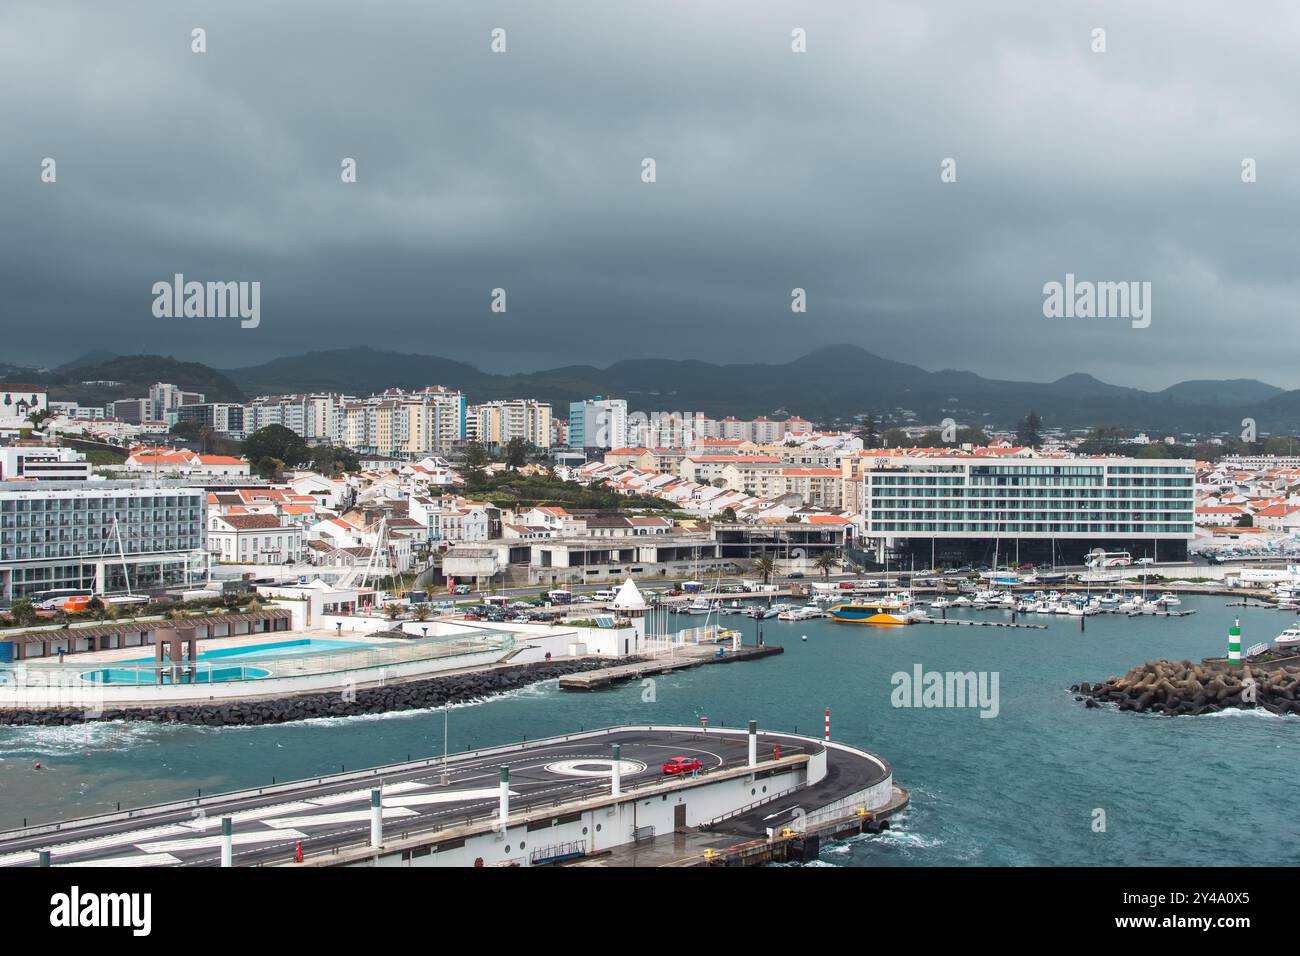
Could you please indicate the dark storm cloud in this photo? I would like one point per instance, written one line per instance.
(775, 170)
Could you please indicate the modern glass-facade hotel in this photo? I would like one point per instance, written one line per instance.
(1031, 510)
(102, 536)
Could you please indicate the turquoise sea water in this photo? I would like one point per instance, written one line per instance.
(1024, 787)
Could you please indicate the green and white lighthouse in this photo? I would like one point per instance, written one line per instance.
(1234, 642)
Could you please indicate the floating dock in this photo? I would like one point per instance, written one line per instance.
(967, 623)
(691, 657)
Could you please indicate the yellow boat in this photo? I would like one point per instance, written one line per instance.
(872, 612)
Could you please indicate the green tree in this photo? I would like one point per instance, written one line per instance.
(188, 430)
(728, 515)
(334, 460)
(826, 562)
(963, 436)
(868, 432)
(23, 613)
(275, 443)
(764, 565)
(1156, 449)
(1028, 434)
(473, 469)
(272, 468)
(516, 453)
(1104, 440)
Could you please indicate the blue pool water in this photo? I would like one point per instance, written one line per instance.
(235, 656)
(206, 675)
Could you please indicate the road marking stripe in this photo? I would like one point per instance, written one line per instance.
(149, 859)
(447, 796)
(322, 819)
(209, 843)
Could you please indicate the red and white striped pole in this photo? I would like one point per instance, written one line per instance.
(828, 723)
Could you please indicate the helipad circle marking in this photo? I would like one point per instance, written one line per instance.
(594, 767)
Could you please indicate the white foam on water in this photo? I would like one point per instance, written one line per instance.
(75, 739)
(1259, 713)
(906, 839)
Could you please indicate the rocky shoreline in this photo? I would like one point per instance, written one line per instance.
(1176, 688)
(414, 695)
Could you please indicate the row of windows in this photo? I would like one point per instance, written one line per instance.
(25, 552)
(895, 514)
(21, 537)
(1016, 481)
(116, 502)
(925, 527)
(1110, 494)
(95, 518)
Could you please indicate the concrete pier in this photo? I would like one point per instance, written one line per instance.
(557, 804)
(692, 655)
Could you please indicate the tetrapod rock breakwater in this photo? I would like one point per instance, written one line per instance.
(1175, 688)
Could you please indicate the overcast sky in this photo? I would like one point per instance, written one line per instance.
(775, 170)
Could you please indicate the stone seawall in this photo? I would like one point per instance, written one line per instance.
(1175, 688)
(411, 695)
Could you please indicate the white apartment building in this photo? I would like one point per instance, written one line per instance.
(164, 398)
(43, 464)
(598, 423)
(254, 539)
(498, 423)
(1046, 511)
(97, 534)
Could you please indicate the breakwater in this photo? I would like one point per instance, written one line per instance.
(1176, 688)
(411, 695)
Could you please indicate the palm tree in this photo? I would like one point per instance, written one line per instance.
(825, 562)
(421, 612)
(765, 566)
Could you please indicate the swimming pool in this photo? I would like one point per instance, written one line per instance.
(232, 659)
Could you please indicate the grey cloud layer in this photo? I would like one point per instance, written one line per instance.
(775, 170)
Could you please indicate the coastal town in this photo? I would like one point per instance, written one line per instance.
(848, 446)
(500, 494)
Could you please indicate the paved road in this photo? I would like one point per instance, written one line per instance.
(335, 812)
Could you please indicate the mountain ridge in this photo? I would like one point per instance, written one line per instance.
(831, 383)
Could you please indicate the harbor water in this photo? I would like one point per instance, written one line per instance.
(1045, 781)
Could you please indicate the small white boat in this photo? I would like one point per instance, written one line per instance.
(1168, 599)
(698, 607)
(939, 604)
(1289, 638)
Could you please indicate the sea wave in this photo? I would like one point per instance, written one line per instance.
(75, 739)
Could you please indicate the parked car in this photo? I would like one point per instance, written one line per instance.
(461, 589)
(680, 765)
